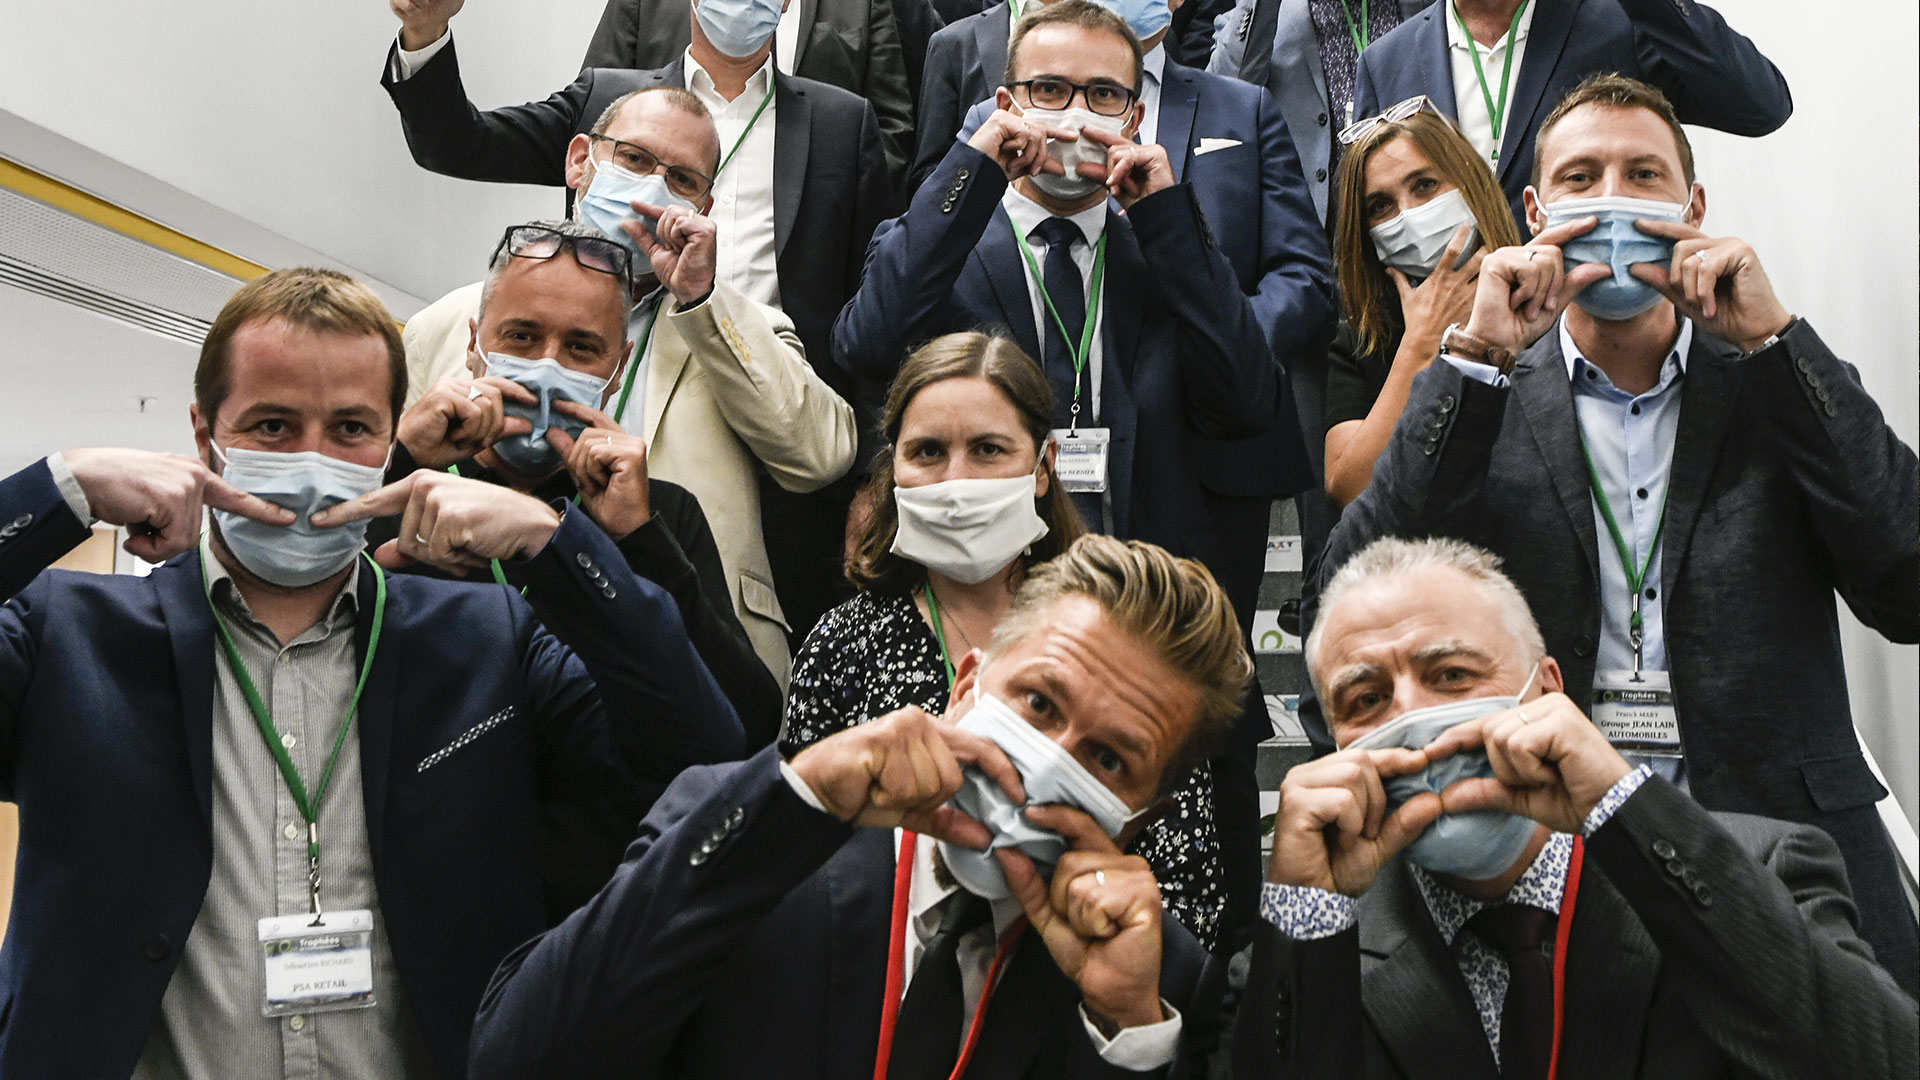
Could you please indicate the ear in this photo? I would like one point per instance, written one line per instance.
(1536, 214)
(1133, 125)
(202, 435)
(1049, 452)
(613, 380)
(1551, 679)
(1696, 206)
(966, 674)
(476, 361)
(579, 163)
(1003, 99)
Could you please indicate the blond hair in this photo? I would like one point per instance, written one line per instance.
(1611, 90)
(312, 299)
(1171, 605)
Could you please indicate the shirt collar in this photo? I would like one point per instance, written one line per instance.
(700, 82)
(1154, 65)
(226, 593)
(1027, 215)
(1458, 40)
(1673, 367)
(1541, 886)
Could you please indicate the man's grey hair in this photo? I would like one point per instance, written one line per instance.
(577, 230)
(1392, 557)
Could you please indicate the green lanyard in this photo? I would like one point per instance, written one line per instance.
(1079, 355)
(1362, 33)
(1013, 12)
(309, 806)
(633, 365)
(939, 633)
(772, 81)
(1495, 112)
(1635, 578)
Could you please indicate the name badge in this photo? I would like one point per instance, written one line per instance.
(1081, 458)
(317, 967)
(1634, 710)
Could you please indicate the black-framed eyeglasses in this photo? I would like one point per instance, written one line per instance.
(688, 183)
(1392, 114)
(1103, 97)
(592, 252)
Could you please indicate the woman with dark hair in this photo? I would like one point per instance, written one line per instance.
(964, 500)
(1411, 197)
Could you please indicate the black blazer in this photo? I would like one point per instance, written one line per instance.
(966, 60)
(852, 44)
(746, 936)
(1713, 75)
(1184, 355)
(1703, 945)
(1786, 486)
(473, 717)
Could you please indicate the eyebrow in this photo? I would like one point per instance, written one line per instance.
(1346, 677)
(1447, 650)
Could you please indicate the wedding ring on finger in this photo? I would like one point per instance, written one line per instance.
(1531, 252)
(473, 391)
(1701, 255)
(1100, 877)
(420, 539)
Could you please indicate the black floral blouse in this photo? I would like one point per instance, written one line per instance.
(874, 654)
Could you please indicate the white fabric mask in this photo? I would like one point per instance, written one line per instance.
(968, 530)
(1072, 185)
(1413, 240)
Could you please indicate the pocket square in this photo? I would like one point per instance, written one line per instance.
(1208, 146)
(466, 737)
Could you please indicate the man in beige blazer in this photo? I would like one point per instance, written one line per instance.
(715, 382)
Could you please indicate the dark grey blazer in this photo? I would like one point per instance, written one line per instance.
(1703, 945)
(1786, 486)
(852, 44)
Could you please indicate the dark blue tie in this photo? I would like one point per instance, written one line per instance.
(1062, 280)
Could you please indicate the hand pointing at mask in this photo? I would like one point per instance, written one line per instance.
(452, 523)
(158, 497)
(682, 246)
(1018, 145)
(458, 418)
(1133, 171)
(1717, 282)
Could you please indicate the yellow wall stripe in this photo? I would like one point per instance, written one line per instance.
(92, 208)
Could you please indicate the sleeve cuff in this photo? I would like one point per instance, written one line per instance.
(1139, 1049)
(404, 63)
(800, 788)
(1306, 914)
(70, 489)
(1477, 371)
(1611, 802)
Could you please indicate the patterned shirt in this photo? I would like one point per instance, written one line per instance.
(874, 654)
(1337, 58)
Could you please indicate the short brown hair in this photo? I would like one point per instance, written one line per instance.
(311, 299)
(1082, 13)
(1615, 91)
(1371, 301)
(1171, 605)
(998, 360)
(679, 98)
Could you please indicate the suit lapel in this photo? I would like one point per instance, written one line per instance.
(1411, 987)
(1123, 314)
(1299, 48)
(1546, 402)
(1612, 966)
(183, 604)
(665, 367)
(1439, 61)
(793, 126)
(1179, 101)
(375, 712)
(674, 74)
(995, 36)
(803, 31)
(1546, 40)
(1712, 387)
(1006, 272)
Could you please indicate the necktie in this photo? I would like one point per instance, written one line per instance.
(926, 1038)
(1061, 276)
(1524, 936)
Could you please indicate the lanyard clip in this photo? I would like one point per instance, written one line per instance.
(313, 872)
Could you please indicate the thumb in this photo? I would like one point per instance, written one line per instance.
(388, 556)
(1400, 282)
(1406, 824)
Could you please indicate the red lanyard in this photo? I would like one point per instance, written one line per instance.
(897, 966)
(1561, 934)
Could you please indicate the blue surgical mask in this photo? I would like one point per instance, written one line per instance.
(1613, 240)
(1145, 17)
(533, 455)
(607, 202)
(305, 483)
(738, 27)
(1477, 845)
(1050, 775)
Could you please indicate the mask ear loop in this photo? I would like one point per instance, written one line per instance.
(1527, 686)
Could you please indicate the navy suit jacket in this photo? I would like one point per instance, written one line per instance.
(1184, 356)
(106, 714)
(746, 935)
(1713, 75)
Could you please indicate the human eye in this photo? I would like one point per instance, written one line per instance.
(355, 429)
(1425, 185)
(273, 427)
(632, 158)
(1108, 760)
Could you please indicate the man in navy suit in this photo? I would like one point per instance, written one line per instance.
(797, 919)
(1469, 56)
(271, 757)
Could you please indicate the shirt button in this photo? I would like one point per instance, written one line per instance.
(1321, 119)
(1319, 174)
(289, 740)
(298, 1023)
(1592, 374)
(1653, 594)
(291, 832)
(1635, 410)
(1640, 494)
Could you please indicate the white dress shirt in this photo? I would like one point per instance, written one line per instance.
(743, 192)
(786, 38)
(1152, 67)
(1027, 216)
(1469, 104)
(640, 327)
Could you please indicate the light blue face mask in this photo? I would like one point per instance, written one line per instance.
(533, 455)
(738, 27)
(1145, 17)
(305, 483)
(607, 202)
(1477, 845)
(1050, 775)
(1613, 240)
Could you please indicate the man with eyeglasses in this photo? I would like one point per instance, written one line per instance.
(553, 315)
(1137, 318)
(801, 182)
(716, 384)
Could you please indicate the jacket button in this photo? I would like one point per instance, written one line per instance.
(947, 207)
(1829, 409)
(1703, 894)
(1663, 849)
(699, 857)
(158, 946)
(609, 591)
(1447, 403)
(1677, 868)
(963, 174)
(1320, 174)
(23, 521)
(1805, 365)
(584, 560)
(736, 818)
